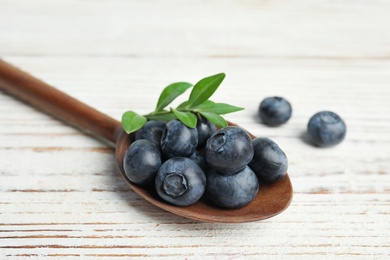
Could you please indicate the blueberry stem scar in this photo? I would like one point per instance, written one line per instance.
(174, 184)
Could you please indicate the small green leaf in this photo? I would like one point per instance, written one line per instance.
(204, 89)
(216, 108)
(216, 119)
(207, 103)
(162, 117)
(183, 105)
(187, 118)
(131, 121)
(170, 93)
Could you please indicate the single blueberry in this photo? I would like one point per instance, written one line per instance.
(198, 157)
(180, 181)
(142, 161)
(151, 131)
(229, 150)
(232, 191)
(178, 140)
(326, 129)
(275, 111)
(269, 161)
(205, 129)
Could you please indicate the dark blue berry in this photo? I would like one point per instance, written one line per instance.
(180, 181)
(205, 129)
(326, 129)
(142, 161)
(229, 150)
(232, 191)
(275, 111)
(269, 161)
(151, 131)
(178, 140)
(198, 157)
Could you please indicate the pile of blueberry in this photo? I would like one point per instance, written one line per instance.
(186, 163)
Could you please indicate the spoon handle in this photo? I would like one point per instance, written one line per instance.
(56, 103)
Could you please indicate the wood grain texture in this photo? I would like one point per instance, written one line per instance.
(60, 194)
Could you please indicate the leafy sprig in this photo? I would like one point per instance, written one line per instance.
(198, 104)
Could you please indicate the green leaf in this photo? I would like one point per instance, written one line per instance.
(214, 118)
(170, 93)
(131, 121)
(183, 105)
(207, 103)
(161, 117)
(187, 118)
(204, 89)
(216, 108)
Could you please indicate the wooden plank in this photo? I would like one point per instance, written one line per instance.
(60, 193)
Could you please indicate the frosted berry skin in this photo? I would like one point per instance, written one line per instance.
(205, 129)
(326, 129)
(178, 140)
(275, 111)
(142, 161)
(269, 161)
(180, 181)
(229, 150)
(198, 157)
(232, 191)
(152, 131)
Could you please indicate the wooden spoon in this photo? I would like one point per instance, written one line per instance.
(270, 201)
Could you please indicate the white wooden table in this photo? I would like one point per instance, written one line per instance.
(60, 193)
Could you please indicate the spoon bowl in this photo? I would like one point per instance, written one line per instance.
(270, 200)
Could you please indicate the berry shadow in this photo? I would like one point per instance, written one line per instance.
(305, 138)
(257, 119)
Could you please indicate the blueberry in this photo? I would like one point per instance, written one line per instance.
(142, 161)
(275, 111)
(180, 181)
(269, 161)
(326, 129)
(151, 131)
(198, 157)
(178, 140)
(205, 129)
(229, 150)
(232, 191)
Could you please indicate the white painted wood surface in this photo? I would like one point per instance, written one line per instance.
(60, 195)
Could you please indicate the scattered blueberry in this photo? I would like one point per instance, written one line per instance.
(232, 191)
(178, 140)
(152, 131)
(180, 181)
(142, 161)
(275, 111)
(205, 129)
(326, 129)
(269, 161)
(229, 150)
